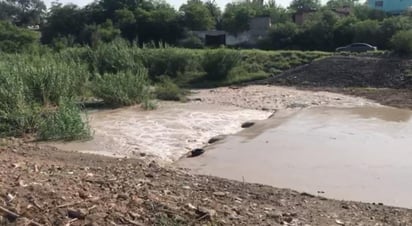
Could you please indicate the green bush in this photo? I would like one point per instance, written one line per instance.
(171, 62)
(63, 123)
(218, 63)
(402, 42)
(123, 88)
(168, 90)
(114, 57)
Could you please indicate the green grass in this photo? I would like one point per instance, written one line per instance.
(38, 88)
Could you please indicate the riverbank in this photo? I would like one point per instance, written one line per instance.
(51, 187)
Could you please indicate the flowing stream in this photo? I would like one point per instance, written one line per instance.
(359, 153)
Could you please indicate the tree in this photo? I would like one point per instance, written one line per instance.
(402, 42)
(14, 39)
(304, 4)
(367, 31)
(22, 12)
(197, 15)
(282, 36)
(62, 21)
(334, 4)
(236, 17)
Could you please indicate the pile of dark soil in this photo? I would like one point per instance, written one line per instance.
(44, 186)
(349, 71)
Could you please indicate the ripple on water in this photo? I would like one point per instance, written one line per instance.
(166, 133)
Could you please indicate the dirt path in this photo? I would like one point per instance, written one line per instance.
(52, 187)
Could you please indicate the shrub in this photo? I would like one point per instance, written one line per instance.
(402, 42)
(171, 62)
(114, 57)
(168, 90)
(218, 63)
(63, 123)
(123, 88)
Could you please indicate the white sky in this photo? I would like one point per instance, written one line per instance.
(175, 3)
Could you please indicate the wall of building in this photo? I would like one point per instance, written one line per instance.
(392, 6)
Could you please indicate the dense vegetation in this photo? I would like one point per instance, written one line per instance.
(41, 91)
(146, 21)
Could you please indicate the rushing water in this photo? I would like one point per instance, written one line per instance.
(165, 134)
(362, 153)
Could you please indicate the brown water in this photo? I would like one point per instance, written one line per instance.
(362, 154)
(164, 134)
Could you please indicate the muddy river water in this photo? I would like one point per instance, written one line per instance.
(360, 153)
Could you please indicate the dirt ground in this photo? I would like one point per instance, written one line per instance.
(44, 186)
(40, 186)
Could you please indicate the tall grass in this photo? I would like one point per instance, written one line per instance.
(218, 63)
(123, 88)
(38, 89)
(63, 123)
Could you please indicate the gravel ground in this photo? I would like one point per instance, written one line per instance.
(42, 186)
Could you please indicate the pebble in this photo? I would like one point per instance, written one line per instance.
(339, 222)
(205, 212)
(247, 124)
(76, 213)
(219, 193)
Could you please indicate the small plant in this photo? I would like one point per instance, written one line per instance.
(123, 88)
(218, 63)
(166, 89)
(63, 123)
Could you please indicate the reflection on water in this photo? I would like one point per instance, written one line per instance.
(361, 153)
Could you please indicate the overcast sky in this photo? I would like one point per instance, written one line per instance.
(175, 3)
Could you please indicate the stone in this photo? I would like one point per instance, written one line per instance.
(197, 152)
(247, 124)
(216, 139)
(206, 213)
(77, 213)
(219, 193)
(339, 222)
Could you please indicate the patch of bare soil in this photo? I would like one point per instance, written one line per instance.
(42, 186)
(387, 81)
(400, 98)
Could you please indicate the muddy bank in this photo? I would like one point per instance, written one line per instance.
(64, 188)
(358, 153)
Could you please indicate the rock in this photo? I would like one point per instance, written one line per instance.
(247, 124)
(190, 206)
(205, 213)
(186, 187)
(196, 152)
(83, 195)
(77, 213)
(277, 216)
(339, 222)
(122, 196)
(219, 193)
(216, 139)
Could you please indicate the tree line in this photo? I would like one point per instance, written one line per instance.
(157, 22)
